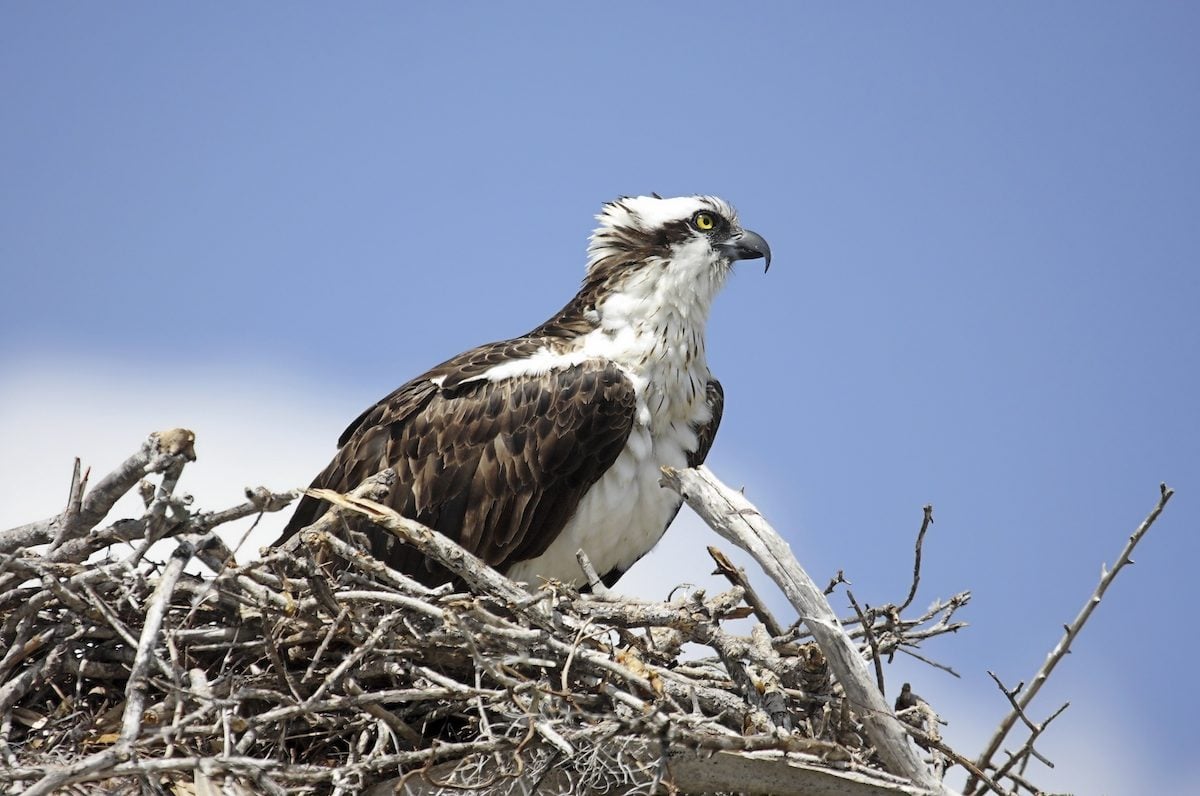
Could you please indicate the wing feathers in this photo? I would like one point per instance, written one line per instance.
(715, 394)
(498, 466)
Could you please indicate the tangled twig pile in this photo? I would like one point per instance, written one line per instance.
(316, 669)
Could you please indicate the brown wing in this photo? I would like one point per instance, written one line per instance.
(497, 466)
(706, 433)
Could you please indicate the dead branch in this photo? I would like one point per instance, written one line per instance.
(926, 521)
(730, 514)
(1069, 634)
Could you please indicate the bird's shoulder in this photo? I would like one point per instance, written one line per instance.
(464, 378)
(487, 453)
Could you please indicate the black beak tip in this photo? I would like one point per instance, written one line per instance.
(751, 246)
(748, 245)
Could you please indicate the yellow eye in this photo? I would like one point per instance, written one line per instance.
(704, 222)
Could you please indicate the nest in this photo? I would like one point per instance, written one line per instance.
(316, 669)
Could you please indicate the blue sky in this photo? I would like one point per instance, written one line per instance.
(984, 295)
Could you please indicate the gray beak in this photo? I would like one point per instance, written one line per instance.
(747, 245)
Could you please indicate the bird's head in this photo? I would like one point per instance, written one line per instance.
(686, 245)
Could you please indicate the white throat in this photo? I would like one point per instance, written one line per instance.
(653, 327)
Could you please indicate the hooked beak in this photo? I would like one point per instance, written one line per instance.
(747, 245)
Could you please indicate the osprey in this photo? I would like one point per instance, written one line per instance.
(527, 450)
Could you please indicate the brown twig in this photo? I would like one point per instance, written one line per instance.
(737, 576)
(866, 623)
(926, 521)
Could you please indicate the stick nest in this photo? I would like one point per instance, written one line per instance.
(317, 669)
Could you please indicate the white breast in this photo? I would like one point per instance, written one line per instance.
(625, 513)
(653, 330)
(622, 516)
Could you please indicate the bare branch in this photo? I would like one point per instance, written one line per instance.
(1035, 730)
(595, 585)
(1069, 633)
(925, 523)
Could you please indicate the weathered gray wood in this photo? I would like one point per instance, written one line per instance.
(688, 771)
(735, 518)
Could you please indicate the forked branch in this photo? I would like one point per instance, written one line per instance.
(1070, 632)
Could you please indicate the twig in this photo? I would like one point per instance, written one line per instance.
(866, 626)
(1069, 633)
(972, 769)
(1027, 749)
(840, 577)
(926, 521)
(737, 576)
(929, 661)
(1035, 730)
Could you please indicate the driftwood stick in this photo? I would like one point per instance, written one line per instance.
(259, 500)
(156, 611)
(682, 613)
(732, 516)
(74, 503)
(375, 488)
(1069, 633)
